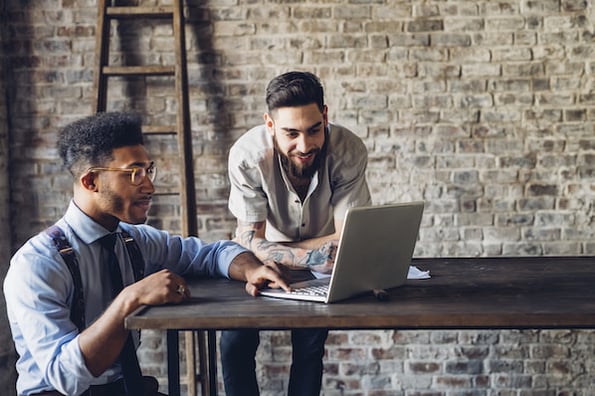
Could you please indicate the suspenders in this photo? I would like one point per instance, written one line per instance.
(77, 309)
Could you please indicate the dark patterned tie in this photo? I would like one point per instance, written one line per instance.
(130, 367)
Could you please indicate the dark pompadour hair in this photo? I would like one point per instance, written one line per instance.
(90, 141)
(294, 89)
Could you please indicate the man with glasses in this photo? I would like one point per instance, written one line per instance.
(292, 180)
(69, 289)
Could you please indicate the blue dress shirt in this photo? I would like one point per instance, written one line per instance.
(39, 289)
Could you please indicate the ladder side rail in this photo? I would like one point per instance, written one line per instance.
(187, 190)
(102, 35)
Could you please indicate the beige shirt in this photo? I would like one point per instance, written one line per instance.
(260, 189)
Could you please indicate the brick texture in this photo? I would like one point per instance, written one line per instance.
(7, 354)
(484, 109)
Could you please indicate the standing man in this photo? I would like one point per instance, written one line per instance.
(292, 181)
(68, 324)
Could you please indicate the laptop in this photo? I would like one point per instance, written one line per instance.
(374, 253)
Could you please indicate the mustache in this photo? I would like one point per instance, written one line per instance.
(302, 154)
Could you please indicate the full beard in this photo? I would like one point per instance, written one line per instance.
(301, 171)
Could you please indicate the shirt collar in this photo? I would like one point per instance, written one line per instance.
(85, 228)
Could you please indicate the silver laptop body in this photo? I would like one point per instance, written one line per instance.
(374, 252)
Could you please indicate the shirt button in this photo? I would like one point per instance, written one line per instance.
(303, 224)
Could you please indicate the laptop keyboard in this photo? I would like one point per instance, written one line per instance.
(313, 290)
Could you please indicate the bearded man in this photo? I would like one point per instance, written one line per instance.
(292, 181)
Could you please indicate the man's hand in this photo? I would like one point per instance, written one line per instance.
(162, 287)
(248, 268)
(102, 342)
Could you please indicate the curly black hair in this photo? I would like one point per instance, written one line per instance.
(90, 141)
(294, 89)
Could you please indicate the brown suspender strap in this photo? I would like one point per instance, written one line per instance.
(77, 309)
(136, 257)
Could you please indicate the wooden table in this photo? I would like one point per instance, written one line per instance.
(463, 293)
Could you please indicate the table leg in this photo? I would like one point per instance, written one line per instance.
(173, 363)
(212, 348)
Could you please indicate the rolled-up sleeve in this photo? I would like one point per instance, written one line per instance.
(247, 199)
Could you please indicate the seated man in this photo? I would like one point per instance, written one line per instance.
(67, 310)
(292, 181)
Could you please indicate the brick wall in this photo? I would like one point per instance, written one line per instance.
(483, 109)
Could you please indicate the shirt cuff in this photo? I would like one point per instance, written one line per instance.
(230, 252)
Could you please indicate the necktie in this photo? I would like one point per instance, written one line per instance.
(130, 367)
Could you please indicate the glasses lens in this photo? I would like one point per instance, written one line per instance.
(151, 172)
(138, 174)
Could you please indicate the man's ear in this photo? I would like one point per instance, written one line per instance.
(270, 123)
(88, 181)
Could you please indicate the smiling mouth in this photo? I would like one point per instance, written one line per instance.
(305, 157)
(146, 203)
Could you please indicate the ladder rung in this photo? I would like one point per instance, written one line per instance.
(139, 70)
(159, 129)
(139, 12)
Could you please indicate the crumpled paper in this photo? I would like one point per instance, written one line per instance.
(416, 273)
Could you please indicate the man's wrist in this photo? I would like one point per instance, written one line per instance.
(243, 263)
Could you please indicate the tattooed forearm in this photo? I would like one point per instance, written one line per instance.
(251, 236)
(266, 250)
(322, 255)
(315, 257)
(247, 237)
(277, 252)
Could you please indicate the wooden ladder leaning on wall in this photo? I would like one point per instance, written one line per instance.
(195, 342)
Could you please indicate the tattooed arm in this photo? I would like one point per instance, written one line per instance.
(317, 254)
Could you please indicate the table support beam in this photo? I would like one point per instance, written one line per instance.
(173, 363)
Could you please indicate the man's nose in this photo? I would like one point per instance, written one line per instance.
(303, 143)
(147, 185)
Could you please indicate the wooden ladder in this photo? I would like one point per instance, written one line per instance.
(108, 11)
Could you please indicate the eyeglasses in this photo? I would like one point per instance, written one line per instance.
(137, 174)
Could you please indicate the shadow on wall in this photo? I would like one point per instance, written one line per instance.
(7, 353)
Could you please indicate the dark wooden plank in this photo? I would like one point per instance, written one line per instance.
(136, 12)
(159, 129)
(139, 70)
(528, 292)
